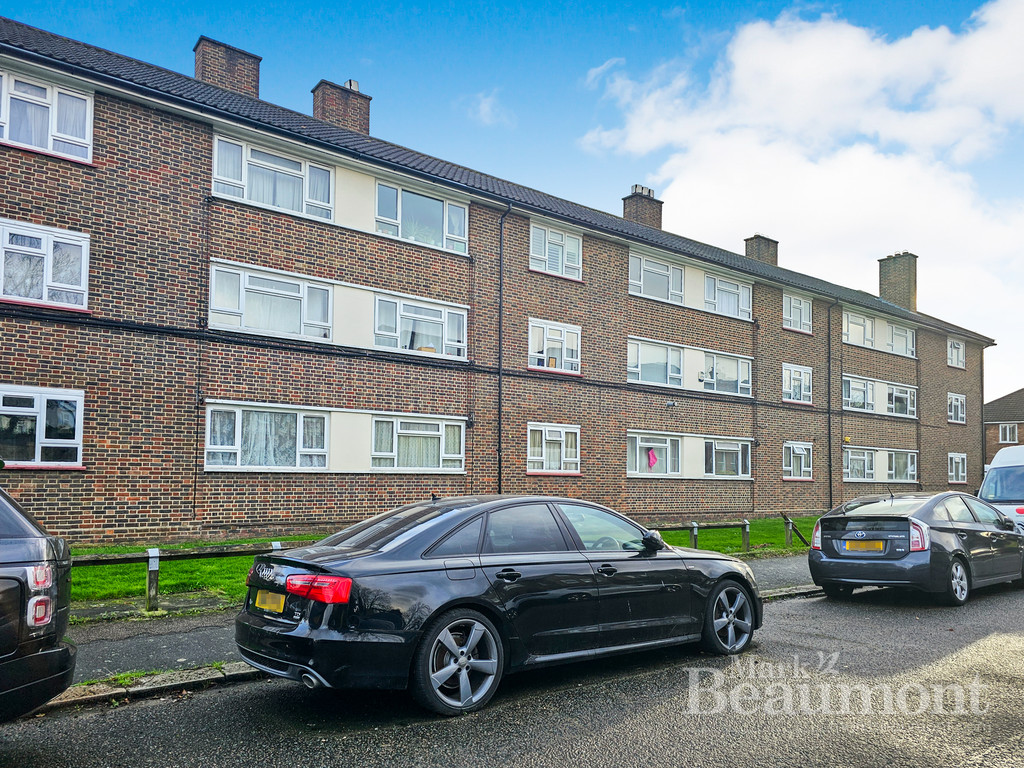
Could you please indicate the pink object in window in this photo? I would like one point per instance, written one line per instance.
(651, 458)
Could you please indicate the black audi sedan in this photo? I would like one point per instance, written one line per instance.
(36, 663)
(945, 543)
(446, 596)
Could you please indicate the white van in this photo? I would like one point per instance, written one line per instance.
(1003, 486)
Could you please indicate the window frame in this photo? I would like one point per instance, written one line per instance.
(49, 237)
(540, 262)
(743, 459)
(460, 243)
(236, 447)
(461, 347)
(397, 431)
(1005, 430)
(743, 291)
(955, 462)
(50, 101)
(869, 394)
(912, 466)
(865, 323)
(38, 409)
(800, 448)
(705, 379)
(565, 462)
(634, 374)
(806, 375)
(865, 455)
(793, 319)
(244, 274)
(547, 327)
(909, 340)
(956, 405)
(956, 353)
(243, 185)
(894, 391)
(640, 442)
(648, 264)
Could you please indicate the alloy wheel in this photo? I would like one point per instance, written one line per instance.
(733, 618)
(463, 663)
(958, 580)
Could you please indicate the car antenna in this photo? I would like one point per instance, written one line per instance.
(891, 496)
(433, 496)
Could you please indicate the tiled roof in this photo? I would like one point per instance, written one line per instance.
(1008, 408)
(131, 74)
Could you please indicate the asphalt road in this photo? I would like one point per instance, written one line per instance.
(669, 708)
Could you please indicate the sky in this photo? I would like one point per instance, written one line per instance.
(847, 131)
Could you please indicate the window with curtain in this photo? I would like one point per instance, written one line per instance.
(796, 313)
(796, 383)
(858, 464)
(256, 438)
(553, 448)
(655, 279)
(419, 326)
(422, 218)
(41, 427)
(726, 297)
(653, 454)
(858, 329)
(956, 408)
(901, 401)
(556, 252)
(418, 444)
(651, 363)
(956, 353)
(903, 466)
(272, 179)
(270, 302)
(43, 265)
(554, 346)
(723, 373)
(902, 341)
(858, 394)
(957, 467)
(726, 458)
(796, 461)
(39, 115)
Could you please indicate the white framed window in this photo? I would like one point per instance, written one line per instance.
(655, 455)
(797, 463)
(858, 329)
(269, 302)
(956, 408)
(726, 458)
(43, 265)
(272, 179)
(554, 346)
(417, 444)
(651, 363)
(553, 448)
(38, 115)
(726, 297)
(858, 464)
(419, 327)
(655, 279)
(257, 438)
(796, 383)
(902, 341)
(556, 252)
(958, 467)
(903, 466)
(796, 313)
(956, 353)
(41, 427)
(421, 218)
(1007, 433)
(858, 394)
(901, 401)
(724, 373)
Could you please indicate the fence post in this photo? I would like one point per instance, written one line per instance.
(789, 533)
(153, 580)
(693, 535)
(746, 535)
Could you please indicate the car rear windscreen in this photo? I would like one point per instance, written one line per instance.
(14, 523)
(892, 506)
(386, 527)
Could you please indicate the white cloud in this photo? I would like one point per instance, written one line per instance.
(595, 75)
(847, 146)
(485, 109)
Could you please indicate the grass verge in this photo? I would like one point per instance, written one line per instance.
(767, 536)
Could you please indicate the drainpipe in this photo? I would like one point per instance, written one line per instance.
(501, 338)
(828, 365)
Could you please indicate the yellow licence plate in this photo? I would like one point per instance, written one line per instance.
(269, 601)
(865, 546)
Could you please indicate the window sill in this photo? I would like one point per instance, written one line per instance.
(723, 314)
(46, 467)
(798, 402)
(957, 482)
(873, 480)
(748, 478)
(877, 349)
(551, 473)
(658, 299)
(958, 367)
(555, 274)
(961, 423)
(417, 243)
(798, 479)
(558, 371)
(653, 476)
(43, 305)
(798, 330)
(54, 155)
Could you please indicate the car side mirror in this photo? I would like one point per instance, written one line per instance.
(652, 541)
(1006, 524)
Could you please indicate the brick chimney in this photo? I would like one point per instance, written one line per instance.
(342, 105)
(897, 280)
(227, 67)
(640, 207)
(763, 249)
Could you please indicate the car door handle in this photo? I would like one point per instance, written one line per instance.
(962, 535)
(607, 570)
(508, 574)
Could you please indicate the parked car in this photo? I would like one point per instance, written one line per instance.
(447, 596)
(36, 663)
(944, 543)
(1003, 486)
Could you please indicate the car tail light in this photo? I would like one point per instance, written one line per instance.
(816, 536)
(920, 540)
(324, 589)
(40, 577)
(40, 611)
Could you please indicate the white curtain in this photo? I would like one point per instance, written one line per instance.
(274, 188)
(416, 451)
(30, 123)
(268, 439)
(273, 313)
(319, 185)
(71, 112)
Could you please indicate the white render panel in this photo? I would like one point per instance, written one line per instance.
(693, 458)
(693, 365)
(693, 293)
(882, 466)
(351, 441)
(353, 316)
(355, 197)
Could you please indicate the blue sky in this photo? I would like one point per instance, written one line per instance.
(847, 131)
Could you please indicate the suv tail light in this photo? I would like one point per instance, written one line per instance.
(816, 536)
(920, 539)
(323, 589)
(40, 611)
(40, 577)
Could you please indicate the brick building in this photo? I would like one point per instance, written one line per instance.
(1004, 423)
(222, 316)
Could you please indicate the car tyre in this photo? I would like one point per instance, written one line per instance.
(728, 619)
(837, 591)
(458, 664)
(958, 582)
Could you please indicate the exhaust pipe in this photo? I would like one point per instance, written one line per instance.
(309, 681)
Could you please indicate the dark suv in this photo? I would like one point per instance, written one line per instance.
(35, 588)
